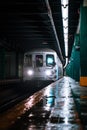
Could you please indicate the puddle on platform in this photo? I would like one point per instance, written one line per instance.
(55, 111)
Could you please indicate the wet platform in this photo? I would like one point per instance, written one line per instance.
(59, 106)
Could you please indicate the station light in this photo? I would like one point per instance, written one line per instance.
(64, 9)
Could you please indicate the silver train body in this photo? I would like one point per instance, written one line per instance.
(42, 64)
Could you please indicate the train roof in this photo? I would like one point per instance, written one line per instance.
(42, 50)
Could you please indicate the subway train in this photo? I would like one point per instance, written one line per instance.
(42, 64)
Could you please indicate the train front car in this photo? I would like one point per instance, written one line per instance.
(41, 64)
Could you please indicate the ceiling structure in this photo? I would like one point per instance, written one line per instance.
(27, 24)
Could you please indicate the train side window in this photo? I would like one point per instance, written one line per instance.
(50, 60)
(28, 60)
(39, 60)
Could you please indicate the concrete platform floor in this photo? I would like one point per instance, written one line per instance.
(59, 106)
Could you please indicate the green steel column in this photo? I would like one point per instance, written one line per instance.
(2, 63)
(83, 46)
(73, 68)
(20, 66)
(17, 64)
(76, 57)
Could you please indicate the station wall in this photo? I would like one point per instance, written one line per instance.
(11, 64)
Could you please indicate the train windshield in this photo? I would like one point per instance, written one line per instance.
(50, 60)
(28, 60)
(39, 60)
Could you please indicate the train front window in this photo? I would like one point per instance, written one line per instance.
(50, 60)
(39, 60)
(28, 60)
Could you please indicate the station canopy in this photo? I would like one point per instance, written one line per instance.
(27, 24)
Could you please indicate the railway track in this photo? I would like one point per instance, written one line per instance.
(14, 93)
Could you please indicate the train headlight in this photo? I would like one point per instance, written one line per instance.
(30, 72)
(48, 72)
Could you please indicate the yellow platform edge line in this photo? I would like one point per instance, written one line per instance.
(83, 97)
(83, 81)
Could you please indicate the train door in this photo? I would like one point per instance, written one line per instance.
(39, 60)
(38, 65)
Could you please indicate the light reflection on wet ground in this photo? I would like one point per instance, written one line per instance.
(80, 98)
(55, 110)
